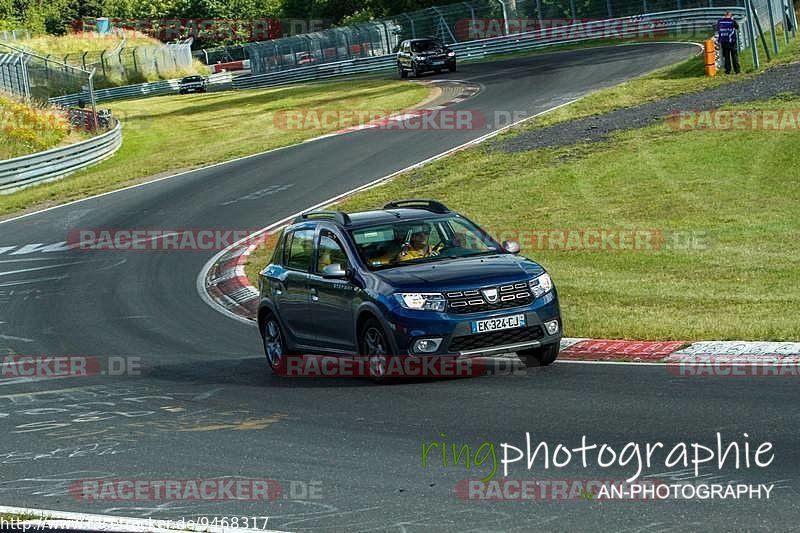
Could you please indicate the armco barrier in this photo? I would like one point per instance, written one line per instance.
(218, 81)
(56, 163)
(644, 25)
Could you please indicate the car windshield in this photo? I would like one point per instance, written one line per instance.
(425, 46)
(420, 241)
(193, 78)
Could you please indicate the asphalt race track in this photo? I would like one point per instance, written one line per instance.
(205, 405)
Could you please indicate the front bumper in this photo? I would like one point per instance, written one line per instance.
(408, 326)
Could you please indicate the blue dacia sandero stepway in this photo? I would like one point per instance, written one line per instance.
(413, 279)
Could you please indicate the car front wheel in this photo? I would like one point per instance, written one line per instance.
(274, 344)
(400, 70)
(543, 356)
(374, 345)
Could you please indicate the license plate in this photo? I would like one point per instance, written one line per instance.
(438, 62)
(494, 324)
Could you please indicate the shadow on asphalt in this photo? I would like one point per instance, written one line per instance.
(255, 372)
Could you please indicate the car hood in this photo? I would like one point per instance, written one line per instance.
(458, 274)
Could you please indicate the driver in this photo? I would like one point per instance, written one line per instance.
(416, 245)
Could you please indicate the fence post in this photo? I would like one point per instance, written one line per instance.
(752, 31)
(133, 56)
(505, 15)
(92, 99)
(539, 12)
(83, 59)
(103, 62)
(772, 27)
(413, 29)
(608, 8)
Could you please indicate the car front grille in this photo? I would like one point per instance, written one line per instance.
(495, 338)
(474, 300)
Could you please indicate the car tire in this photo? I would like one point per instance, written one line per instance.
(181, 91)
(452, 68)
(543, 356)
(417, 72)
(274, 344)
(403, 72)
(373, 344)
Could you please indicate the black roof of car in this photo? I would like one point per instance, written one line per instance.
(391, 212)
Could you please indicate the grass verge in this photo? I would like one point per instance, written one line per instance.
(721, 269)
(197, 130)
(28, 129)
(684, 77)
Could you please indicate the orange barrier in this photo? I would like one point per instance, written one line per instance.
(710, 51)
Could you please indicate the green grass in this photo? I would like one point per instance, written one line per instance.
(28, 129)
(162, 135)
(684, 77)
(733, 272)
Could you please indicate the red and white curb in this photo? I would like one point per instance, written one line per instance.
(47, 520)
(228, 285)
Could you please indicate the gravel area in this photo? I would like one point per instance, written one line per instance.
(777, 80)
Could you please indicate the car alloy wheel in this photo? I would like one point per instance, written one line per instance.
(374, 347)
(273, 343)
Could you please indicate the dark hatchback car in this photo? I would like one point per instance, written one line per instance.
(192, 84)
(413, 279)
(424, 55)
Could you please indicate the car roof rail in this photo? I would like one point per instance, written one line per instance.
(338, 216)
(428, 205)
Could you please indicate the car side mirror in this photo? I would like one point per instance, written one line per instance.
(511, 246)
(334, 271)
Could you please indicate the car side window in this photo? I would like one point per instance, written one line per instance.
(299, 246)
(330, 251)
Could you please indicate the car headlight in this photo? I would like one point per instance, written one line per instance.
(451, 54)
(541, 285)
(430, 301)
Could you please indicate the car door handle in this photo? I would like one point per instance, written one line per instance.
(314, 296)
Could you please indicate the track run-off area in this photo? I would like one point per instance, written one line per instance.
(183, 392)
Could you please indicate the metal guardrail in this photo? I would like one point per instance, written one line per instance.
(56, 163)
(649, 24)
(216, 82)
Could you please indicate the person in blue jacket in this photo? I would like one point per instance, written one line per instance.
(727, 34)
